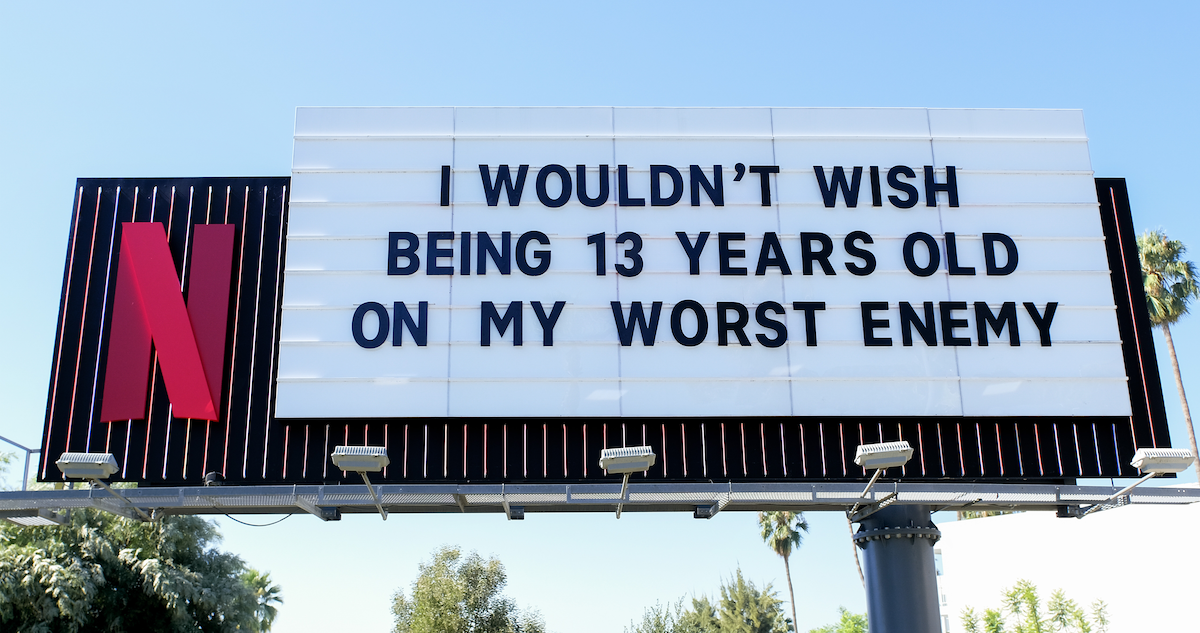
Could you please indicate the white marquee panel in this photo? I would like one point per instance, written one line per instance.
(360, 173)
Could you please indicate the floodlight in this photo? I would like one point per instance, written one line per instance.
(879, 456)
(87, 465)
(95, 467)
(1153, 462)
(1161, 461)
(363, 460)
(626, 461)
(884, 455)
(630, 459)
(43, 518)
(360, 459)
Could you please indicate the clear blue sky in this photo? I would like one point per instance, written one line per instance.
(209, 89)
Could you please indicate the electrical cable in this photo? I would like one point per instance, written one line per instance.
(257, 524)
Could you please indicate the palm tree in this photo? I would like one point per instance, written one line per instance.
(783, 532)
(267, 596)
(1170, 283)
(854, 550)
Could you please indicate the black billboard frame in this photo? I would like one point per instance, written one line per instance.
(498, 450)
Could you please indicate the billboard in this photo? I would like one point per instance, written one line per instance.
(496, 294)
(131, 360)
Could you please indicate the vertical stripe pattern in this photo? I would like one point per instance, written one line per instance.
(163, 449)
(248, 446)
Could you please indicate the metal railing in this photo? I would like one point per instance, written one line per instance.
(29, 452)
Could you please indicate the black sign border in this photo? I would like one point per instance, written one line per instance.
(253, 448)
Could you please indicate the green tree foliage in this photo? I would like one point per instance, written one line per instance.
(783, 532)
(970, 621)
(848, 622)
(742, 608)
(1063, 613)
(1023, 612)
(105, 573)
(1100, 616)
(993, 621)
(675, 618)
(5, 460)
(1023, 603)
(660, 618)
(701, 618)
(1168, 279)
(266, 596)
(1170, 284)
(461, 594)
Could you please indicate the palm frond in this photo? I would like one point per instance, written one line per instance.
(1169, 281)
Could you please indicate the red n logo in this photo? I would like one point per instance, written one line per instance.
(149, 306)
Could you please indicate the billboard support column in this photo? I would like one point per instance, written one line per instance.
(897, 544)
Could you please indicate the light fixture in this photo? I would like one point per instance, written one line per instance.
(1153, 462)
(884, 455)
(1160, 461)
(630, 459)
(95, 467)
(43, 518)
(879, 456)
(363, 460)
(626, 461)
(87, 465)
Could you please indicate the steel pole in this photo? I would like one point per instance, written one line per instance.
(897, 544)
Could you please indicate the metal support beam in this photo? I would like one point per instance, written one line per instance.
(140, 513)
(898, 563)
(374, 495)
(512, 512)
(857, 514)
(703, 500)
(324, 514)
(870, 484)
(624, 492)
(1116, 500)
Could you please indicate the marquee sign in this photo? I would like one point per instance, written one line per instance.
(496, 294)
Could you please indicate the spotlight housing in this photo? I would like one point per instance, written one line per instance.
(87, 465)
(1161, 461)
(883, 455)
(631, 459)
(363, 460)
(360, 459)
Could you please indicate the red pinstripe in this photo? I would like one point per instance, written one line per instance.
(86, 291)
(62, 322)
(237, 313)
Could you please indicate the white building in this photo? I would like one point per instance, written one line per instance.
(1141, 560)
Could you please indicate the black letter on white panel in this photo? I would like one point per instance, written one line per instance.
(503, 181)
(1042, 321)
(637, 317)
(548, 321)
(489, 316)
(1007, 316)
(419, 329)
